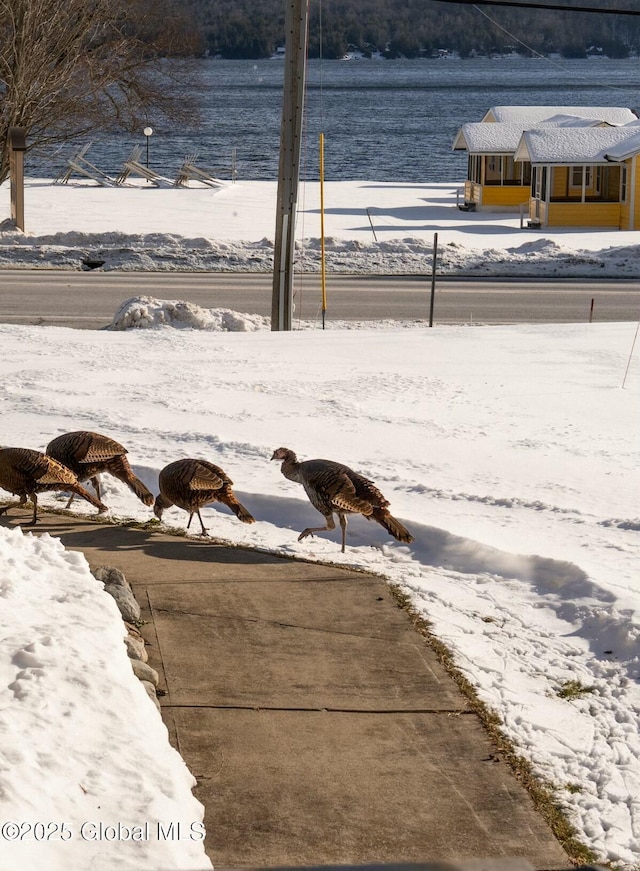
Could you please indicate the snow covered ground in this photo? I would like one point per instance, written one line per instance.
(511, 453)
(87, 778)
(370, 227)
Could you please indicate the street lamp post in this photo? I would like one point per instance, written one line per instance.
(147, 132)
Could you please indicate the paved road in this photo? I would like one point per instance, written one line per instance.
(89, 300)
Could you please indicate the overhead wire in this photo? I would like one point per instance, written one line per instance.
(512, 36)
(476, 4)
(557, 6)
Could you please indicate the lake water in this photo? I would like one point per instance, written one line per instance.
(382, 120)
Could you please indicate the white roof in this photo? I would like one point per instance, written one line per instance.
(530, 115)
(577, 146)
(504, 137)
(626, 148)
(562, 120)
(481, 138)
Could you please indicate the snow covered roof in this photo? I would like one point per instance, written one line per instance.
(530, 115)
(503, 137)
(577, 146)
(481, 138)
(562, 120)
(625, 149)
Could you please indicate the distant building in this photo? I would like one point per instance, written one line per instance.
(532, 115)
(583, 178)
(496, 179)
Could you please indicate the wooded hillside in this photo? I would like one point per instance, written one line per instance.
(254, 28)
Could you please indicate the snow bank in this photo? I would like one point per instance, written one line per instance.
(145, 312)
(81, 744)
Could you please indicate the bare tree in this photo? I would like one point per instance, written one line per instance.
(70, 67)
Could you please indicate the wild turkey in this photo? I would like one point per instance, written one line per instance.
(89, 453)
(26, 473)
(190, 484)
(334, 488)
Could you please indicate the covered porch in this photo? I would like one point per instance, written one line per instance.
(496, 180)
(590, 195)
(582, 177)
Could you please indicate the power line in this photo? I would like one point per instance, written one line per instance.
(513, 36)
(558, 6)
(532, 50)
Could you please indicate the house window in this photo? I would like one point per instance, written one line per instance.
(605, 185)
(577, 173)
(623, 184)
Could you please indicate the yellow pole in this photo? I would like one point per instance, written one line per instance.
(323, 273)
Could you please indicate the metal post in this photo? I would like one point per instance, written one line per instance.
(17, 148)
(323, 268)
(433, 278)
(296, 14)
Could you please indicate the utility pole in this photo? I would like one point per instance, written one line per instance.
(295, 60)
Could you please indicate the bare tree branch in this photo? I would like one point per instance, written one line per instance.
(68, 69)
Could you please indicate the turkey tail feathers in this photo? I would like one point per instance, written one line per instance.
(393, 526)
(122, 470)
(140, 490)
(79, 490)
(240, 511)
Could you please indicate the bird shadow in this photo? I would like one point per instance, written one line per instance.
(90, 534)
(433, 547)
(566, 588)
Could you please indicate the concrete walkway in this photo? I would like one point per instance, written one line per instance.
(320, 727)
